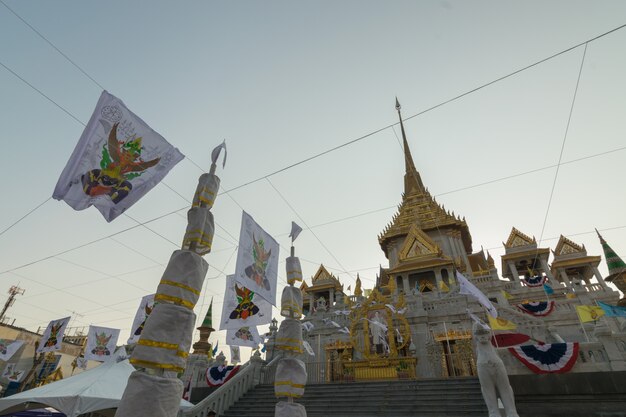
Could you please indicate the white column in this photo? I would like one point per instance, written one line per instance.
(599, 278)
(513, 270)
(565, 278)
(405, 284)
(331, 297)
(546, 268)
(438, 278)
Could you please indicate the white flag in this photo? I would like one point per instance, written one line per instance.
(243, 307)
(8, 348)
(101, 342)
(12, 373)
(308, 326)
(295, 231)
(478, 321)
(216, 153)
(466, 287)
(53, 335)
(257, 259)
(235, 355)
(117, 160)
(144, 310)
(245, 336)
(308, 348)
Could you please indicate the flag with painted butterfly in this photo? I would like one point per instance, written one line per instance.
(244, 336)
(8, 348)
(143, 312)
(243, 307)
(117, 160)
(101, 342)
(235, 355)
(257, 260)
(53, 335)
(12, 373)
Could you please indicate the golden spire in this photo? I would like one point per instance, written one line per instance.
(412, 179)
(357, 288)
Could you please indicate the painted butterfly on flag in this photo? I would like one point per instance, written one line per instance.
(245, 307)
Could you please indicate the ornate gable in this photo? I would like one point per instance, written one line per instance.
(322, 274)
(567, 247)
(517, 238)
(418, 245)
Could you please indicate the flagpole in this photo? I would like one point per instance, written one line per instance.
(445, 329)
(583, 327)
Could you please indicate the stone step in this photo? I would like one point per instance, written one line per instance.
(427, 398)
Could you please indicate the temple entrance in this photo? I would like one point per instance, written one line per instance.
(455, 352)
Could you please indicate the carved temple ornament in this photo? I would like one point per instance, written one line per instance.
(379, 328)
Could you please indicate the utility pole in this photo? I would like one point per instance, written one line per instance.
(13, 291)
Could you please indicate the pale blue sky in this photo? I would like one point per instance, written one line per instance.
(284, 80)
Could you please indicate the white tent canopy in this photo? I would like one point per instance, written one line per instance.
(99, 388)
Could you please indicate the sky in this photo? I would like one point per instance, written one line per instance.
(283, 81)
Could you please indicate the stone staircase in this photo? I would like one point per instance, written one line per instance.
(423, 398)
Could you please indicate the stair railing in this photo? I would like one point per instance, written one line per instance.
(226, 395)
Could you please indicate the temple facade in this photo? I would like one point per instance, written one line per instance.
(414, 323)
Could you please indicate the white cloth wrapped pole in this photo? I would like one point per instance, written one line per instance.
(182, 280)
(294, 270)
(289, 336)
(206, 191)
(290, 378)
(291, 303)
(150, 395)
(200, 230)
(164, 343)
(285, 409)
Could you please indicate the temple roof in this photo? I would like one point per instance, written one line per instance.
(567, 247)
(322, 280)
(517, 238)
(418, 207)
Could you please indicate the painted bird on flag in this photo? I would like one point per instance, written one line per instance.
(121, 162)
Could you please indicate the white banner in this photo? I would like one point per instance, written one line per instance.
(243, 307)
(245, 336)
(144, 310)
(12, 373)
(117, 160)
(8, 348)
(101, 342)
(257, 259)
(235, 355)
(53, 335)
(466, 287)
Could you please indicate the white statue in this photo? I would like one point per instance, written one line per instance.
(494, 381)
(377, 330)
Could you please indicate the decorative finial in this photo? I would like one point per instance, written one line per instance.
(215, 154)
(398, 107)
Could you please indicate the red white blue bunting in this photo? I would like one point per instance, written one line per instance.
(536, 281)
(555, 358)
(537, 308)
(217, 375)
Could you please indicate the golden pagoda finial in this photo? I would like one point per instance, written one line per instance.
(391, 285)
(357, 288)
(412, 179)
